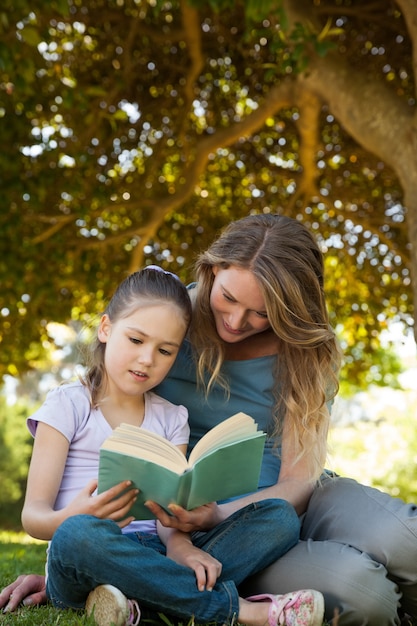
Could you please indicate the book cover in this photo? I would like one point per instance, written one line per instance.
(226, 465)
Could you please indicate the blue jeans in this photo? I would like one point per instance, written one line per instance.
(86, 552)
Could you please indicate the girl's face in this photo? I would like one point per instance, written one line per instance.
(237, 304)
(141, 348)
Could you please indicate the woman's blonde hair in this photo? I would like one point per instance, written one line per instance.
(288, 266)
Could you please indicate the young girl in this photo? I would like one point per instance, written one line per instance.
(98, 554)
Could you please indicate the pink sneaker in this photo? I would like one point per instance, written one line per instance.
(109, 607)
(298, 608)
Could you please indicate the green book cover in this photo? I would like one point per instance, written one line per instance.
(229, 465)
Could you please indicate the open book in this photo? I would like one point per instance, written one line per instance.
(226, 462)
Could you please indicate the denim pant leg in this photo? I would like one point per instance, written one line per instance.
(252, 538)
(86, 552)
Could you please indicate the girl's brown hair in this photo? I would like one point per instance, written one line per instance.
(149, 284)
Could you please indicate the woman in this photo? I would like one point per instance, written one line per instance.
(260, 342)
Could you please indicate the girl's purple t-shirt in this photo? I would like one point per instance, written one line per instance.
(68, 409)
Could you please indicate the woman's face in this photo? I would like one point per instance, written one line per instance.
(237, 304)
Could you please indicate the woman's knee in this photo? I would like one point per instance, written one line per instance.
(354, 587)
(381, 526)
(368, 597)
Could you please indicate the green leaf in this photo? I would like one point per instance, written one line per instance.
(31, 36)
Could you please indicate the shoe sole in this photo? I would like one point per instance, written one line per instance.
(318, 616)
(108, 606)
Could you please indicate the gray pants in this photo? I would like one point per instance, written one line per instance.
(359, 548)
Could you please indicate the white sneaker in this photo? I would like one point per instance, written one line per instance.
(109, 607)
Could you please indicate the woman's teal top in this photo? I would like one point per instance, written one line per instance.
(251, 384)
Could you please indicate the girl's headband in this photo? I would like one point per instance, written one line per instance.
(159, 269)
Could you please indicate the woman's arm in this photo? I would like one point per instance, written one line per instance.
(295, 484)
(46, 469)
(27, 589)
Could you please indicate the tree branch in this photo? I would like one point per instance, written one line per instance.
(192, 34)
(308, 126)
(409, 11)
(60, 222)
(382, 125)
(280, 96)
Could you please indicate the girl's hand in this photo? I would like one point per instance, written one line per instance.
(28, 589)
(113, 504)
(207, 569)
(202, 518)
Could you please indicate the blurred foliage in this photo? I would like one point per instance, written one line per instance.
(15, 451)
(379, 447)
(133, 131)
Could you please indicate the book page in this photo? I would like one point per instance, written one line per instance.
(237, 427)
(142, 443)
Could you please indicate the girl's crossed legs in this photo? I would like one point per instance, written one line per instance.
(86, 552)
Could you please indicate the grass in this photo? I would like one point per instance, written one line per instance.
(19, 555)
(22, 555)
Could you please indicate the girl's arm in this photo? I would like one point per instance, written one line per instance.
(50, 450)
(182, 447)
(181, 549)
(39, 519)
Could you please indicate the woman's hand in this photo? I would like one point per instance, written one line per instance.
(202, 518)
(28, 589)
